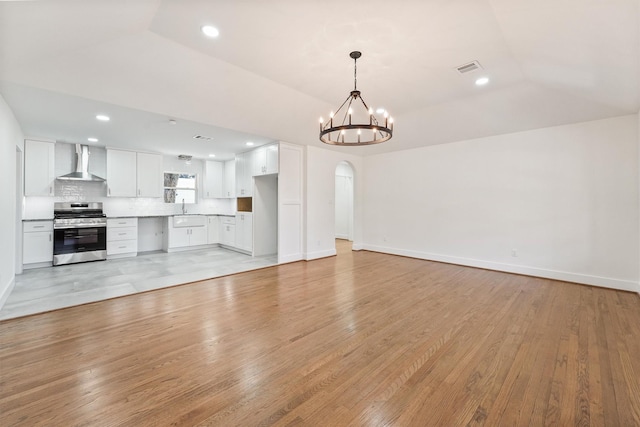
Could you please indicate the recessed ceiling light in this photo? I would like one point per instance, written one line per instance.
(92, 139)
(103, 118)
(212, 155)
(249, 143)
(210, 31)
(482, 81)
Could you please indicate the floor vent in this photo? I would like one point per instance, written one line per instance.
(467, 68)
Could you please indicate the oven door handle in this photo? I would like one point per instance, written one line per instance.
(66, 227)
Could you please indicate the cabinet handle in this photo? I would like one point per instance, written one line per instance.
(122, 234)
(138, 191)
(50, 190)
(38, 226)
(122, 247)
(49, 236)
(109, 190)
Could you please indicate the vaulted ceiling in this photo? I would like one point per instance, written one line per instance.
(280, 64)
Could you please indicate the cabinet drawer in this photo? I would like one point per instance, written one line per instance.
(32, 226)
(122, 233)
(122, 222)
(122, 247)
(229, 220)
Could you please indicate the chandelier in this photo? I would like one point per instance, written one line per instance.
(358, 125)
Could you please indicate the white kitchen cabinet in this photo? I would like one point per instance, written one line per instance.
(39, 173)
(186, 236)
(213, 178)
(179, 237)
(265, 160)
(228, 231)
(244, 174)
(244, 231)
(149, 175)
(37, 243)
(229, 184)
(131, 174)
(121, 173)
(213, 229)
(122, 237)
(198, 236)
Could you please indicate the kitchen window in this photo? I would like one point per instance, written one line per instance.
(180, 187)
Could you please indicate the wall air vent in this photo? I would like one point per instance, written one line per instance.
(467, 68)
(202, 137)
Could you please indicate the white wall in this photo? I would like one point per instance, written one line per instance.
(11, 139)
(563, 200)
(320, 196)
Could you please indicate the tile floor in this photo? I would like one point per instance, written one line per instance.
(44, 289)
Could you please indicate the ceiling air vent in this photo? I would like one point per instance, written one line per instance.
(467, 68)
(202, 137)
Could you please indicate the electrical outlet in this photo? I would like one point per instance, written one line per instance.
(514, 253)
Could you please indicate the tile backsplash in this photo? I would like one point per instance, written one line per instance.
(80, 191)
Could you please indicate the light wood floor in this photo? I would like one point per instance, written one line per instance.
(361, 339)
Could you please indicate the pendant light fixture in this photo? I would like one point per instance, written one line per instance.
(356, 124)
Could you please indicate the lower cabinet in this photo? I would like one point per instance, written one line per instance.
(122, 237)
(213, 229)
(187, 233)
(244, 231)
(228, 231)
(37, 243)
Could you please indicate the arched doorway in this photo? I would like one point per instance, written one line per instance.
(344, 201)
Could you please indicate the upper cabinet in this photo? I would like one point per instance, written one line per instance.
(213, 178)
(244, 174)
(229, 181)
(39, 173)
(265, 160)
(121, 173)
(149, 174)
(131, 174)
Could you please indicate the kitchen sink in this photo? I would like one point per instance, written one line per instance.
(189, 220)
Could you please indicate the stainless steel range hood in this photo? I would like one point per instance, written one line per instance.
(82, 165)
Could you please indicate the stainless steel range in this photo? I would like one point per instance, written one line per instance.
(79, 233)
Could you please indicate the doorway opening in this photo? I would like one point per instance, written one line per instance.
(344, 206)
(18, 206)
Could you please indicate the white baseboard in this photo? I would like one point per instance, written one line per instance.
(357, 246)
(284, 259)
(605, 282)
(320, 254)
(7, 291)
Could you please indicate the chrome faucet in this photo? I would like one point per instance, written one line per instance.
(184, 208)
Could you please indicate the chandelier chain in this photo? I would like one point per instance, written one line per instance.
(355, 74)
